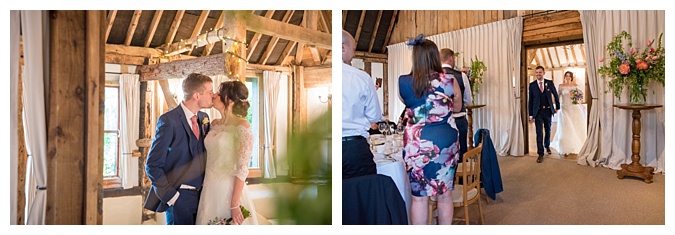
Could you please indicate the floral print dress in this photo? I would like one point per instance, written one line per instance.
(430, 138)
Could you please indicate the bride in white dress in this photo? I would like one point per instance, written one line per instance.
(570, 132)
(228, 144)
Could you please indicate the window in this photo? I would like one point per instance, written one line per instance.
(111, 155)
(253, 117)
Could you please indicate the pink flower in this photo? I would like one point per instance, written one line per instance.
(647, 58)
(652, 50)
(632, 51)
(655, 57)
(601, 60)
(624, 68)
(641, 65)
(649, 43)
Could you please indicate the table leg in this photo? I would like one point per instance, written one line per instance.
(634, 168)
(469, 115)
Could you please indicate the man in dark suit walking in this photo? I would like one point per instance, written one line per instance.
(177, 158)
(541, 109)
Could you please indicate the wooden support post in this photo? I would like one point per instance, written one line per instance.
(234, 24)
(22, 154)
(385, 91)
(75, 139)
(143, 143)
(299, 99)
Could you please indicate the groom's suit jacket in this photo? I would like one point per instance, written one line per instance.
(535, 95)
(176, 157)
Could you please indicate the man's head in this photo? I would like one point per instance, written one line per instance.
(348, 47)
(448, 57)
(198, 88)
(539, 72)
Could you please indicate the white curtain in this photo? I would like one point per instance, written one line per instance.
(15, 24)
(34, 110)
(129, 116)
(610, 146)
(271, 96)
(498, 45)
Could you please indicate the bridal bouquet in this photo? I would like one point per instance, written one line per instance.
(228, 221)
(576, 96)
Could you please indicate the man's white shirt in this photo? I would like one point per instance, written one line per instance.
(360, 105)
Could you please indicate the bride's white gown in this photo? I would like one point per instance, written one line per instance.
(570, 133)
(228, 150)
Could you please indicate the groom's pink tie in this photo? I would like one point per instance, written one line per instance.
(541, 86)
(195, 128)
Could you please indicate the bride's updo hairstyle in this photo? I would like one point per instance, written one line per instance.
(238, 93)
(571, 75)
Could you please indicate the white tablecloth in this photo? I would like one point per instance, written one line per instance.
(396, 170)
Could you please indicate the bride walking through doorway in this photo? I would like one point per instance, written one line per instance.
(570, 132)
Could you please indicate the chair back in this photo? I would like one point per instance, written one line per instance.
(468, 193)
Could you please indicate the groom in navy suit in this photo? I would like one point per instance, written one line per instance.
(541, 109)
(177, 158)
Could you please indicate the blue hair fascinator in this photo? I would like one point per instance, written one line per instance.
(416, 40)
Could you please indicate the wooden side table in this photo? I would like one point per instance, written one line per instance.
(469, 115)
(634, 168)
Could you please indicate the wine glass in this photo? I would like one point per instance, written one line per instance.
(382, 127)
(392, 128)
(399, 129)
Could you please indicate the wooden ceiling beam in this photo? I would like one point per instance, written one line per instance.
(274, 40)
(286, 52)
(543, 58)
(567, 58)
(557, 56)
(531, 54)
(391, 26)
(132, 27)
(377, 25)
(219, 24)
(536, 58)
(288, 31)
(574, 56)
(153, 27)
(312, 23)
(358, 30)
(325, 22)
(344, 17)
(207, 65)
(174, 27)
(199, 25)
(300, 49)
(256, 37)
(111, 20)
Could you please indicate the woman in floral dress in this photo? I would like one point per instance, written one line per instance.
(431, 146)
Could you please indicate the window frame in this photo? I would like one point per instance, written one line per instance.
(257, 172)
(116, 180)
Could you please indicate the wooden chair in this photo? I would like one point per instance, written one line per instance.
(468, 171)
(469, 192)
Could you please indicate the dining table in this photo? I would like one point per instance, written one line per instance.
(394, 167)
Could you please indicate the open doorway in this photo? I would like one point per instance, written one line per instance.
(556, 59)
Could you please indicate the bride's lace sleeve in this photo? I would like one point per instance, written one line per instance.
(244, 137)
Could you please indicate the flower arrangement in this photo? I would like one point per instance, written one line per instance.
(576, 96)
(632, 68)
(475, 74)
(228, 221)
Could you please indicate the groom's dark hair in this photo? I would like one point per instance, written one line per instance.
(194, 83)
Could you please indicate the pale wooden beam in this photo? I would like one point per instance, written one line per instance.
(557, 56)
(358, 30)
(531, 55)
(391, 26)
(300, 49)
(536, 58)
(583, 53)
(288, 31)
(344, 17)
(325, 23)
(361, 54)
(377, 25)
(567, 58)
(219, 24)
(543, 57)
(256, 37)
(168, 97)
(174, 27)
(312, 23)
(110, 19)
(548, 53)
(286, 52)
(207, 65)
(199, 25)
(153, 27)
(268, 68)
(235, 26)
(574, 56)
(132, 27)
(274, 40)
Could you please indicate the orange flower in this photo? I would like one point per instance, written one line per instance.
(624, 68)
(641, 65)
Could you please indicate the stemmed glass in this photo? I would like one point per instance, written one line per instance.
(382, 127)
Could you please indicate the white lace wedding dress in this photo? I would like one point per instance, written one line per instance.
(570, 132)
(228, 150)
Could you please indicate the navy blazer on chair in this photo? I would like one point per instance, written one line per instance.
(490, 174)
(372, 200)
(176, 157)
